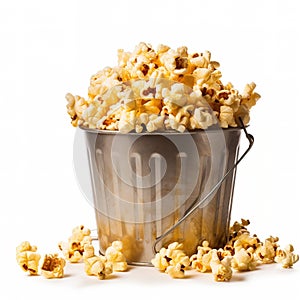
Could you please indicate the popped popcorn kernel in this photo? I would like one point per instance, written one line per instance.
(172, 260)
(201, 260)
(27, 258)
(76, 106)
(115, 256)
(243, 260)
(176, 271)
(161, 261)
(221, 269)
(53, 266)
(96, 265)
(73, 249)
(266, 251)
(236, 230)
(286, 257)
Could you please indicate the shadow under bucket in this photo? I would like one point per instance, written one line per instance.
(151, 189)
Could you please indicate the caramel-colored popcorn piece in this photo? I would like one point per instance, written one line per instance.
(53, 266)
(27, 258)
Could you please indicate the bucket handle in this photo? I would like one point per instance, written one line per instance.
(215, 188)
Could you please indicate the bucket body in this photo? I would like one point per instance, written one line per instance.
(143, 184)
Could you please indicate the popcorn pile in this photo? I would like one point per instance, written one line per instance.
(243, 252)
(78, 248)
(163, 89)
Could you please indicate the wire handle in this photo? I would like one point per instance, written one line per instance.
(216, 187)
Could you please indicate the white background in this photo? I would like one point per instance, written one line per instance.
(49, 48)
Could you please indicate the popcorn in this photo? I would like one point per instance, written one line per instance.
(221, 269)
(227, 117)
(242, 253)
(115, 256)
(73, 250)
(249, 97)
(201, 119)
(96, 265)
(175, 271)
(76, 106)
(286, 256)
(266, 251)
(177, 255)
(211, 260)
(27, 258)
(160, 83)
(53, 266)
(237, 229)
(244, 260)
(161, 261)
(155, 123)
(171, 260)
(201, 260)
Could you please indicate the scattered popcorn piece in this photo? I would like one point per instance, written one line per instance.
(237, 229)
(243, 260)
(201, 260)
(221, 269)
(172, 260)
(73, 250)
(176, 254)
(53, 266)
(115, 256)
(27, 258)
(266, 251)
(286, 256)
(161, 261)
(176, 271)
(96, 265)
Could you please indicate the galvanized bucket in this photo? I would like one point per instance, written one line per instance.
(150, 189)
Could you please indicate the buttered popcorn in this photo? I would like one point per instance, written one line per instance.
(163, 89)
(96, 265)
(73, 249)
(286, 256)
(172, 260)
(28, 258)
(243, 252)
(53, 266)
(115, 256)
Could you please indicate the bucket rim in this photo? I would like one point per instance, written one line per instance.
(165, 132)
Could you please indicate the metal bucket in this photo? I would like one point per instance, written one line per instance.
(150, 189)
